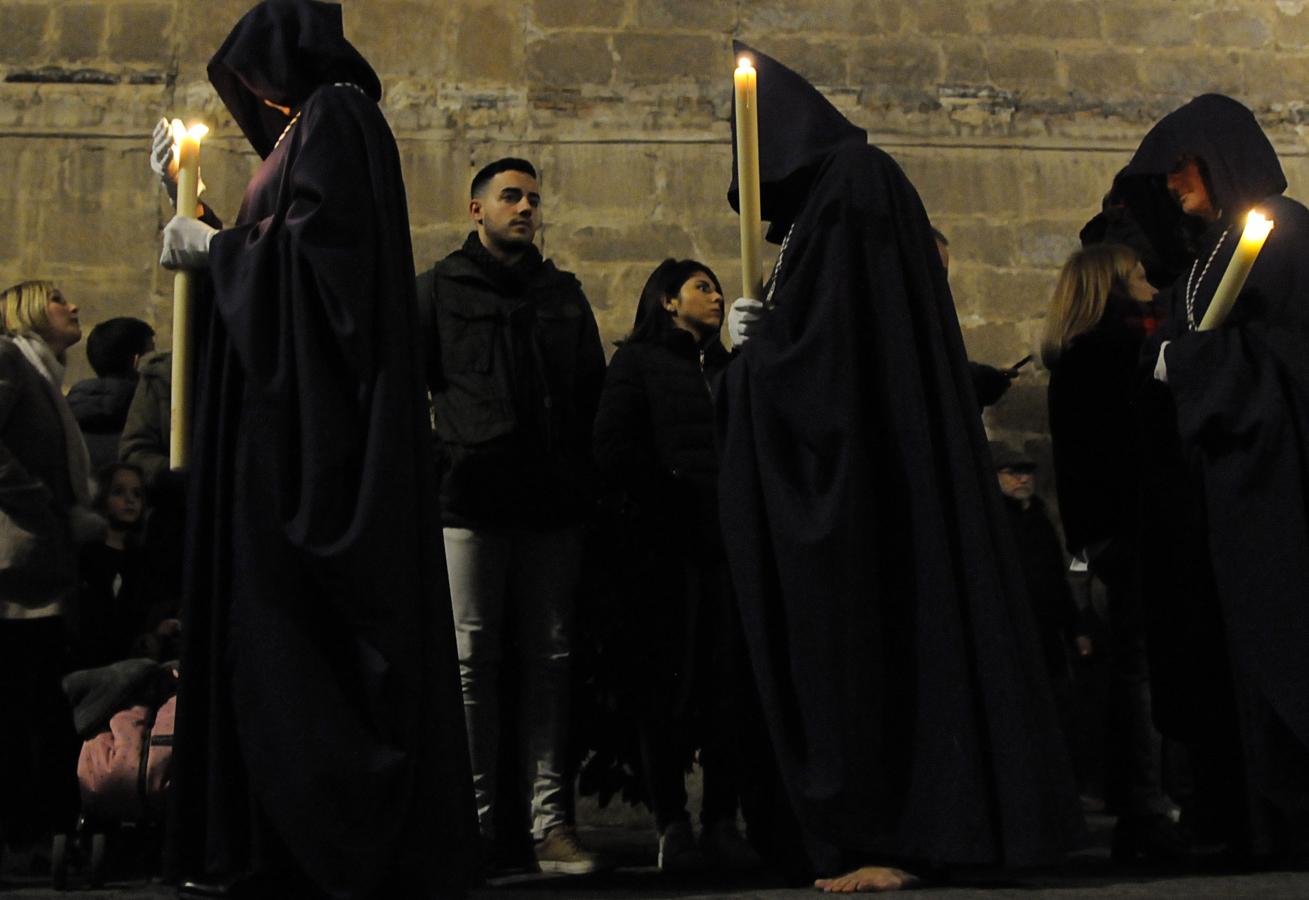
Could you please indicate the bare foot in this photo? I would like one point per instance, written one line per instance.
(868, 880)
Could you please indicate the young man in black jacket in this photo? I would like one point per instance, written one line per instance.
(515, 370)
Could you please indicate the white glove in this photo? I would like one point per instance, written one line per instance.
(186, 244)
(161, 158)
(744, 319)
(1161, 364)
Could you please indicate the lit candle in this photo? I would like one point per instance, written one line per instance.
(747, 179)
(186, 149)
(1247, 249)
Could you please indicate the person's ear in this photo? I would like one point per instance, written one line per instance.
(475, 209)
(670, 304)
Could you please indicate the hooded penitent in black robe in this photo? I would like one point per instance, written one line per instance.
(881, 598)
(320, 735)
(1242, 409)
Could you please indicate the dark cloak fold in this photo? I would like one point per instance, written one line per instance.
(1242, 401)
(882, 602)
(320, 724)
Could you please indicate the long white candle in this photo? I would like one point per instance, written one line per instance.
(1247, 250)
(747, 179)
(186, 144)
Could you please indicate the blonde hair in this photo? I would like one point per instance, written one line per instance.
(1087, 279)
(23, 307)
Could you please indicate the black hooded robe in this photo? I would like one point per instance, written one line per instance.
(1242, 404)
(320, 736)
(882, 602)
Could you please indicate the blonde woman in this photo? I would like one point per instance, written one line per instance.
(44, 492)
(1101, 313)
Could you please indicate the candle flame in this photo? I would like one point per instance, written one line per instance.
(745, 64)
(179, 131)
(1256, 227)
(196, 132)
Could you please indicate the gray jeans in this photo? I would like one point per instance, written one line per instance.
(525, 581)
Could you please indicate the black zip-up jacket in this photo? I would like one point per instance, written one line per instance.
(515, 368)
(654, 434)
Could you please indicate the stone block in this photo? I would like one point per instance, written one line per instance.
(405, 37)
(819, 61)
(434, 243)
(648, 241)
(907, 68)
(81, 31)
(1044, 19)
(1029, 70)
(139, 33)
(763, 18)
(578, 13)
(979, 242)
(1180, 75)
(1290, 26)
(1132, 23)
(661, 58)
(98, 215)
(990, 342)
(943, 17)
(1268, 79)
(965, 61)
(488, 46)
(437, 178)
(570, 59)
(24, 28)
(1104, 75)
(1018, 295)
(1071, 183)
(719, 240)
(964, 181)
(590, 183)
(1045, 243)
(687, 15)
(16, 219)
(1246, 30)
(202, 27)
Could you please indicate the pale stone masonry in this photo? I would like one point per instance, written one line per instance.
(1011, 116)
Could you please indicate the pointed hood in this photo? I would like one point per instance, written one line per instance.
(281, 51)
(798, 129)
(1242, 164)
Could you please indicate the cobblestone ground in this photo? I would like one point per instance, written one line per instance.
(1087, 874)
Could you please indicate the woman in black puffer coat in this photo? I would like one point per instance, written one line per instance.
(654, 446)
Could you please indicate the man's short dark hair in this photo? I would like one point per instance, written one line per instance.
(490, 170)
(114, 344)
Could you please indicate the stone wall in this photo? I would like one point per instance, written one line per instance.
(1010, 115)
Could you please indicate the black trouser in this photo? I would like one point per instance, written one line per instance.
(706, 710)
(38, 746)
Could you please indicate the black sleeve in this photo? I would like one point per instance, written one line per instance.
(431, 342)
(623, 442)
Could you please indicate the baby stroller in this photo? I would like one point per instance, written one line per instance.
(125, 713)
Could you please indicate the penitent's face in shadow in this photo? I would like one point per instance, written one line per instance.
(1187, 185)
